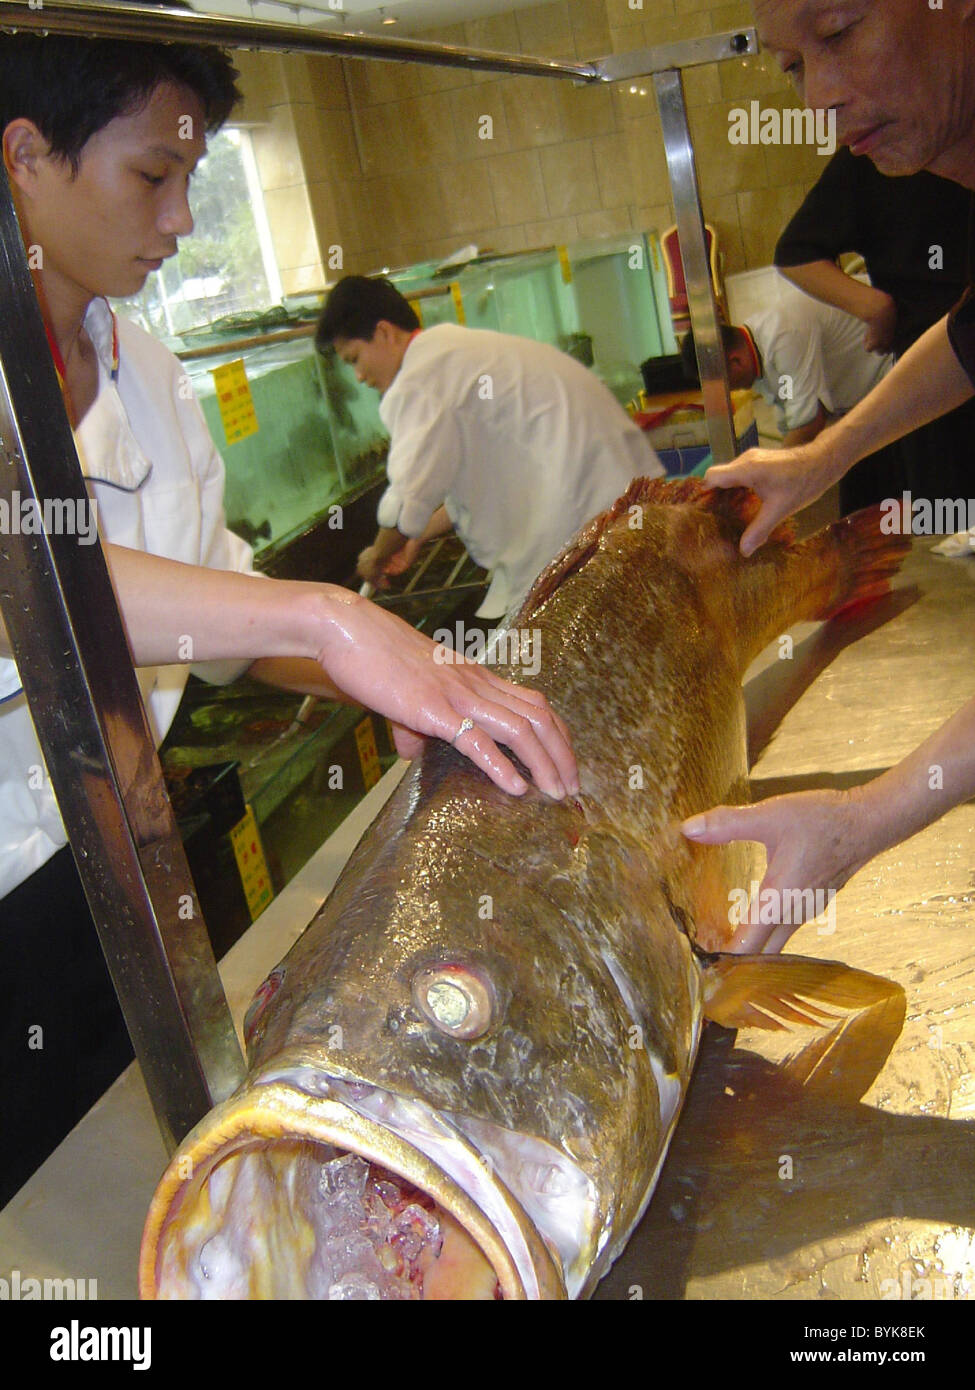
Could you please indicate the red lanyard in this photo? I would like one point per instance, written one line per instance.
(59, 366)
(754, 350)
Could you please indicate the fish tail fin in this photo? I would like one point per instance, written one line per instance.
(867, 559)
(855, 1017)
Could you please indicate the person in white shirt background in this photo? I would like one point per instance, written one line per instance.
(94, 138)
(805, 358)
(510, 442)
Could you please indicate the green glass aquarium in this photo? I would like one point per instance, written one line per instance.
(319, 439)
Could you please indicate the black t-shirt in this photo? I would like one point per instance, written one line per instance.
(893, 223)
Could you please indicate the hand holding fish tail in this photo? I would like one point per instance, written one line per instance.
(786, 480)
(815, 841)
(380, 661)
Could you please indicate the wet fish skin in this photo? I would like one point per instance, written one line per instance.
(580, 920)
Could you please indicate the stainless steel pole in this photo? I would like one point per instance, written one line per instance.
(60, 612)
(122, 21)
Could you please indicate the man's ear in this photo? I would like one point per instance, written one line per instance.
(23, 148)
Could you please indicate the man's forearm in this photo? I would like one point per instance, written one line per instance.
(438, 525)
(923, 786)
(824, 280)
(926, 382)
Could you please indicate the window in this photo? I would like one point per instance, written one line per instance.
(226, 267)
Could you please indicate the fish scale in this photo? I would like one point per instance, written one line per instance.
(501, 1001)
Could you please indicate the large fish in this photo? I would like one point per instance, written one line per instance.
(465, 1074)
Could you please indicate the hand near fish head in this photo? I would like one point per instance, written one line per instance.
(815, 840)
(428, 692)
(786, 480)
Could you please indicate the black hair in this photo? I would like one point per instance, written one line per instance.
(356, 305)
(688, 353)
(72, 88)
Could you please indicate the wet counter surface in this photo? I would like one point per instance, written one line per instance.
(763, 1196)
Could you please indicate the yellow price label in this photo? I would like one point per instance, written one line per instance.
(458, 302)
(564, 263)
(251, 864)
(365, 742)
(654, 252)
(235, 401)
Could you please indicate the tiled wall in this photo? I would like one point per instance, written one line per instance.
(395, 163)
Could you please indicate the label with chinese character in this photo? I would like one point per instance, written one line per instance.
(249, 853)
(564, 263)
(458, 302)
(235, 401)
(365, 742)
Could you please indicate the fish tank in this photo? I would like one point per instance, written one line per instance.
(603, 301)
(313, 439)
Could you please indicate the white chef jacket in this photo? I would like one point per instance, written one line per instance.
(157, 484)
(812, 352)
(521, 443)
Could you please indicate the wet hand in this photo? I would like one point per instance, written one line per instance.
(815, 841)
(383, 663)
(784, 479)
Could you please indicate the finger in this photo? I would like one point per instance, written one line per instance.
(727, 475)
(408, 744)
(483, 752)
(517, 731)
(758, 532)
(724, 823)
(534, 706)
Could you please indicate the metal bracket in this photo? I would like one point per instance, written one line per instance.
(686, 53)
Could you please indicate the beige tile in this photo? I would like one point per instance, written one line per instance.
(415, 204)
(379, 153)
(649, 180)
(277, 151)
(723, 215)
(569, 175)
(305, 279)
(374, 83)
(621, 12)
(262, 82)
(732, 16)
(553, 232)
(612, 158)
(655, 218)
(445, 79)
(424, 130)
(468, 107)
(497, 33)
(517, 186)
(753, 76)
(326, 82)
(532, 111)
(702, 85)
(326, 221)
(546, 30)
(600, 224)
(585, 111)
(627, 37)
(467, 199)
(590, 28)
(329, 133)
(763, 214)
(292, 229)
(721, 166)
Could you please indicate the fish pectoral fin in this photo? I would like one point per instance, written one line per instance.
(857, 1016)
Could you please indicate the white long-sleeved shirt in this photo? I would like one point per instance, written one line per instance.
(156, 480)
(521, 444)
(812, 353)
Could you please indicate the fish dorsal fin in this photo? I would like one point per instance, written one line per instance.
(738, 506)
(857, 1017)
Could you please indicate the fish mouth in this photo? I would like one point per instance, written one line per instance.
(239, 1213)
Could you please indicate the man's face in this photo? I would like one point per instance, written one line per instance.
(107, 228)
(899, 74)
(375, 360)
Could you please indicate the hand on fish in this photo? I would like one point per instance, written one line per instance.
(382, 662)
(786, 480)
(815, 840)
